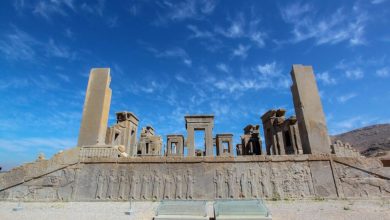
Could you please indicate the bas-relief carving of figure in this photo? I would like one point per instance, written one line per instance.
(156, 185)
(242, 183)
(252, 182)
(179, 186)
(123, 184)
(264, 181)
(168, 181)
(112, 180)
(74, 184)
(230, 183)
(275, 182)
(144, 187)
(100, 185)
(134, 181)
(218, 182)
(189, 181)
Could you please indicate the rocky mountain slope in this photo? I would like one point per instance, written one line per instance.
(371, 141)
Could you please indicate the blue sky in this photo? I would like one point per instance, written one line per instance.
(172, 58)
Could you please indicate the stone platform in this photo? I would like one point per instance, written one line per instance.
(71, 176)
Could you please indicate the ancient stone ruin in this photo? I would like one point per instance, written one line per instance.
(109, 163)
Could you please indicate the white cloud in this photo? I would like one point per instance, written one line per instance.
(383, 72)
(18, 45)
(96, 8)
(343, 25)
(346, 97)
(241, 51)
(325, 78)
(375, 2)
(48, 8)
(268, 75)
(198, 33)
(175, 52)
(354, 73)
(242, 27)
(60, 51)
(64, 77)
(189, 9)
(223, 67)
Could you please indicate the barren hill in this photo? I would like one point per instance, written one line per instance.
(371, 141)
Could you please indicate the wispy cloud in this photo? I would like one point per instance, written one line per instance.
(189, 9)
(60, 51)
(262, 76)
(241, 51)
(175, 52)
(346, 97)
(197, 33)
(223, 67)
(48, 8)
(326, 79)
(376, 2)
(19, 46)
(343, 25)
(96, 8)
(383, 72)
(243, 27)
(354, 73)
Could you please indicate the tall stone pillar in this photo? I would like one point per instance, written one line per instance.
(308, 108)
(190, 141)
(209, 140)
(96, 108)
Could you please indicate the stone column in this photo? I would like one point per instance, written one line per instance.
(190, 141)
(169, 144)
(180, 148)
(209, 141)
(308, 108)
(231, 146)
(96, 108)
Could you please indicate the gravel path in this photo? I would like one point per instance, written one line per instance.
(298, 209)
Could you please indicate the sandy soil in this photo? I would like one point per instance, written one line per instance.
(298, 209)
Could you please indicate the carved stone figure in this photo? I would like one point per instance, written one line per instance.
(134, 181)
(230, 183)
(168, 181)
(179, 185)
(218, 182)
(144, 187)
(123, 184)
(264, 182)
(252, 181)
(189, 181)
(100, 185)
(275, 182)
(242, 182)
(112, 180)
(156, 185)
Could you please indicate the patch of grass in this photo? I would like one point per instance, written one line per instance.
(347, 208)
(275, 197)
(318, 198)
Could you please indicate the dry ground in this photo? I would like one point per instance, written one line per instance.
(292, 209)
